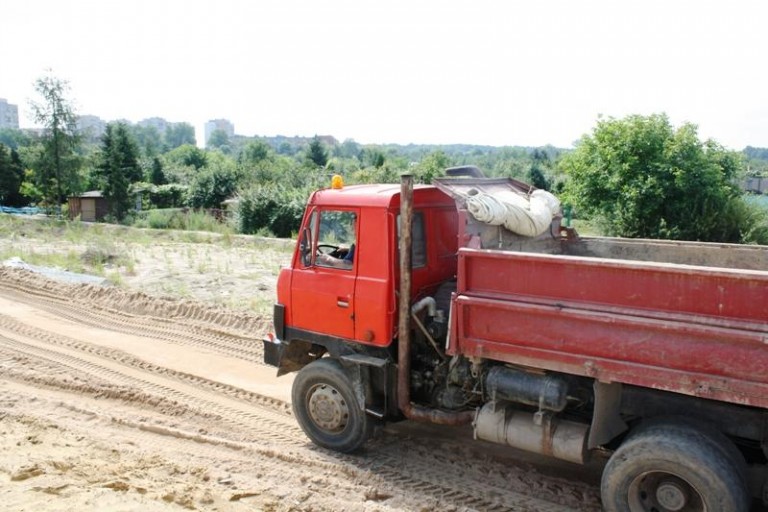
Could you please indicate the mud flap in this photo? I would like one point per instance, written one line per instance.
(360, 366)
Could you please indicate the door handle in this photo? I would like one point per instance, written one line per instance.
(342, 302)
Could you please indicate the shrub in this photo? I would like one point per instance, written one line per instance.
(270, 207)
(168, 196)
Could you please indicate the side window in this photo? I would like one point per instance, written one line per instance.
(418, 239)
(336, 239)
(307, 238)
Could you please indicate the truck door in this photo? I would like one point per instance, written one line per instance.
(323, 283)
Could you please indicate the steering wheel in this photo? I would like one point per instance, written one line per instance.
(327, 248)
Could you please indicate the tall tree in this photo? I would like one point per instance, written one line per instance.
(641, 177)
(317, 155)
(535, 175)
(118, 168)
(58, 168)
(11, 176)
(219, 139)
(157, 176)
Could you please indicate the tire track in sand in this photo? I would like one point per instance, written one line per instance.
(397, 464)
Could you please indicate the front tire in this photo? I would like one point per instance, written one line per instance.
(326, 408)
(674, 466)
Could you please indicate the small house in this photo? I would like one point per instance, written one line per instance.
(90, 206)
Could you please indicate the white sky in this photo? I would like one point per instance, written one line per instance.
(474, 71)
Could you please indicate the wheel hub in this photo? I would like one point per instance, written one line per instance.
(327, 408)
(671, 495)
(657, 491)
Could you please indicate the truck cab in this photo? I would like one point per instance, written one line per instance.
(341, 303)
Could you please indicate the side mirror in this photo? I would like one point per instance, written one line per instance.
(305, 247)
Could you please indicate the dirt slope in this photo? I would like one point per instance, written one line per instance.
(113, 400)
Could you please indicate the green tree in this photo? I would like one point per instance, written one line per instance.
(179, 134)
(118, 168)
(187, 155)
(539, 164)
(431, 166)
(218, 139)
(14, 138)
(11, 177)
(317, 154)
(255, 152)
(640, 177)
(348, 149)
(215, 183)
(374, 157)
(156, 175)
(57, 169)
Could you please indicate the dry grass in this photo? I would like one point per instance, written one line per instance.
(236, 271)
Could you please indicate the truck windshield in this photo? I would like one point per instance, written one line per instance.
(336, 239)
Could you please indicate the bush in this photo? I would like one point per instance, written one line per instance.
(180, 218)
(640, 177)
(168, 196)
(270, 207)
(754, 219)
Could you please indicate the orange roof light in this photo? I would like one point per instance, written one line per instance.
(337, 183)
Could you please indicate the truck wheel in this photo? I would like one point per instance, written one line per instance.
(674, 466)
(326, 408)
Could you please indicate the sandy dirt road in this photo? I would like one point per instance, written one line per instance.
(113, 400)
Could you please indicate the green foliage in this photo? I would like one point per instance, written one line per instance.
(639, 177)
(11, 177)
(274, 208)
(539, 163)
(179, 134)
(432, 166)
(57, 165)
(13, 138)
(118, 167)
(171, 195)
(254, 153)
(317, 154)
(219, 140)
(212, 185)
(156, 175)
(348, 149)
(752, 214)
(187, 156)
(181, 219)
(149, 140)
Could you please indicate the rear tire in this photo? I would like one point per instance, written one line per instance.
(327, 409)
(675, 466)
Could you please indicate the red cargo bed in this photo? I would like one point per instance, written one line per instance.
(695, 330)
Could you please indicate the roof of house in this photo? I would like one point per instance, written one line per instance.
(91, 193)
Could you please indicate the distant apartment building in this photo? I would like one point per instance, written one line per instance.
(91, 127)
(218, 124)
(9, 115)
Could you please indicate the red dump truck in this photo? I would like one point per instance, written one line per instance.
(400, 304)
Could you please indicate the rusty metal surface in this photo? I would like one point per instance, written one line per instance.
(700, 332)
